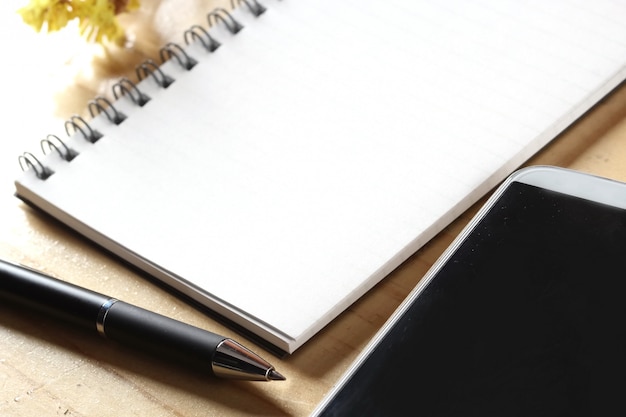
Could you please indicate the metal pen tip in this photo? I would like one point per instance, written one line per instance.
(273, 375)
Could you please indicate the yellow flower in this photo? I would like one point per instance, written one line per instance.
(54, 13)
(99, 21)
(96, 17)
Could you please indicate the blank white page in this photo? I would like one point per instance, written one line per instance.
(313, 152)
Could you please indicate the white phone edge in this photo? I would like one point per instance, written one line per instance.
(563, 180)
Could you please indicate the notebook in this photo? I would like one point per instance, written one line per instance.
(280, 159)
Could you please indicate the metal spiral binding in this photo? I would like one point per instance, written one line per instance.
(209, 43)
(255, 7)
(95, 106)
(29, 161)
(175, 50)
(149, 67)
(126, 86)
(91, 135)
(221, 14)
(64, 151)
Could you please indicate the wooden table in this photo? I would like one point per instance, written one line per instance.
(48, 369)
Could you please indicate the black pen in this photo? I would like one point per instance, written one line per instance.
(133, 326)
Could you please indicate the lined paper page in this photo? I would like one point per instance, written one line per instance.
(327, 141)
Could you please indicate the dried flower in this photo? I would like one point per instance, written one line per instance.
(96, 18)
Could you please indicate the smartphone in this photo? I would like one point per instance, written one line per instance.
(523, 315)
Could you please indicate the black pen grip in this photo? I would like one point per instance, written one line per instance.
(161, 336)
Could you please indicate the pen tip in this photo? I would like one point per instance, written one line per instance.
(275, 376)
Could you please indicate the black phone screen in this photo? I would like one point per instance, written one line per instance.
(526, 318)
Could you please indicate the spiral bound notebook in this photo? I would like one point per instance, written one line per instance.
(276, 167)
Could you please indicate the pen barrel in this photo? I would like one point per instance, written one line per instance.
(161, 336)
(48, 295)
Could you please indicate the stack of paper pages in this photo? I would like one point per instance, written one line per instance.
(295, 166)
